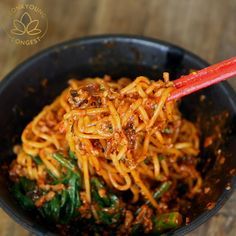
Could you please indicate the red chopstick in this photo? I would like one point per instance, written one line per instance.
(203, 78)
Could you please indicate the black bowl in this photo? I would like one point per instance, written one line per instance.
(23, 94)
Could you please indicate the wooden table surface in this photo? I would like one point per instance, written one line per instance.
(207, 28)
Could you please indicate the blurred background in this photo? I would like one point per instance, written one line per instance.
(207, 28)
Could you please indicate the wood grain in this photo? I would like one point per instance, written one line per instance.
(207, 28)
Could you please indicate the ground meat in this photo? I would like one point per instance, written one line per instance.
(77, 98)
(92, 88)
(88, 95)
(144, 218)
(85, 209)
(131, 135)
(208, 141)
(45, 198)
(128, 219)
(96, 144)
(126, 227)
(57, 187)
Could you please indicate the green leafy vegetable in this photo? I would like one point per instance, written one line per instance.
(160, 157)
(69, 198)
(37, 160)
(166, 221)
(137, 229)
(63, 161)
(108, 207)
(157, 194)
(72, 155)
(162, 189)
(167, 131)
(51, 210)
(161, 223)
(63, 207)
(21, 190)
(97, 186)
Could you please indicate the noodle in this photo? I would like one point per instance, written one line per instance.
(124, 132)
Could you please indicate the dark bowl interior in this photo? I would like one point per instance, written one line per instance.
(22, 95)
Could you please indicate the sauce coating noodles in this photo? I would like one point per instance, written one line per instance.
(123, 132)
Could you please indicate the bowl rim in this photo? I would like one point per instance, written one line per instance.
(202, 218)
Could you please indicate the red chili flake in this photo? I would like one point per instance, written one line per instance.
(187, 220)
(232, 172)
(210, 205)
(44, 83)
(207, 190)
(222, 160)
(208, 141)
(61, 127)
(107, 78)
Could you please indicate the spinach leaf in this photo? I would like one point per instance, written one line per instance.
(37, 160)
(51, 210)
(72, 155)
(63, 207)
(20, 191)
(108, 205)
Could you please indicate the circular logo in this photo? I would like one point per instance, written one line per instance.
(28, 24)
